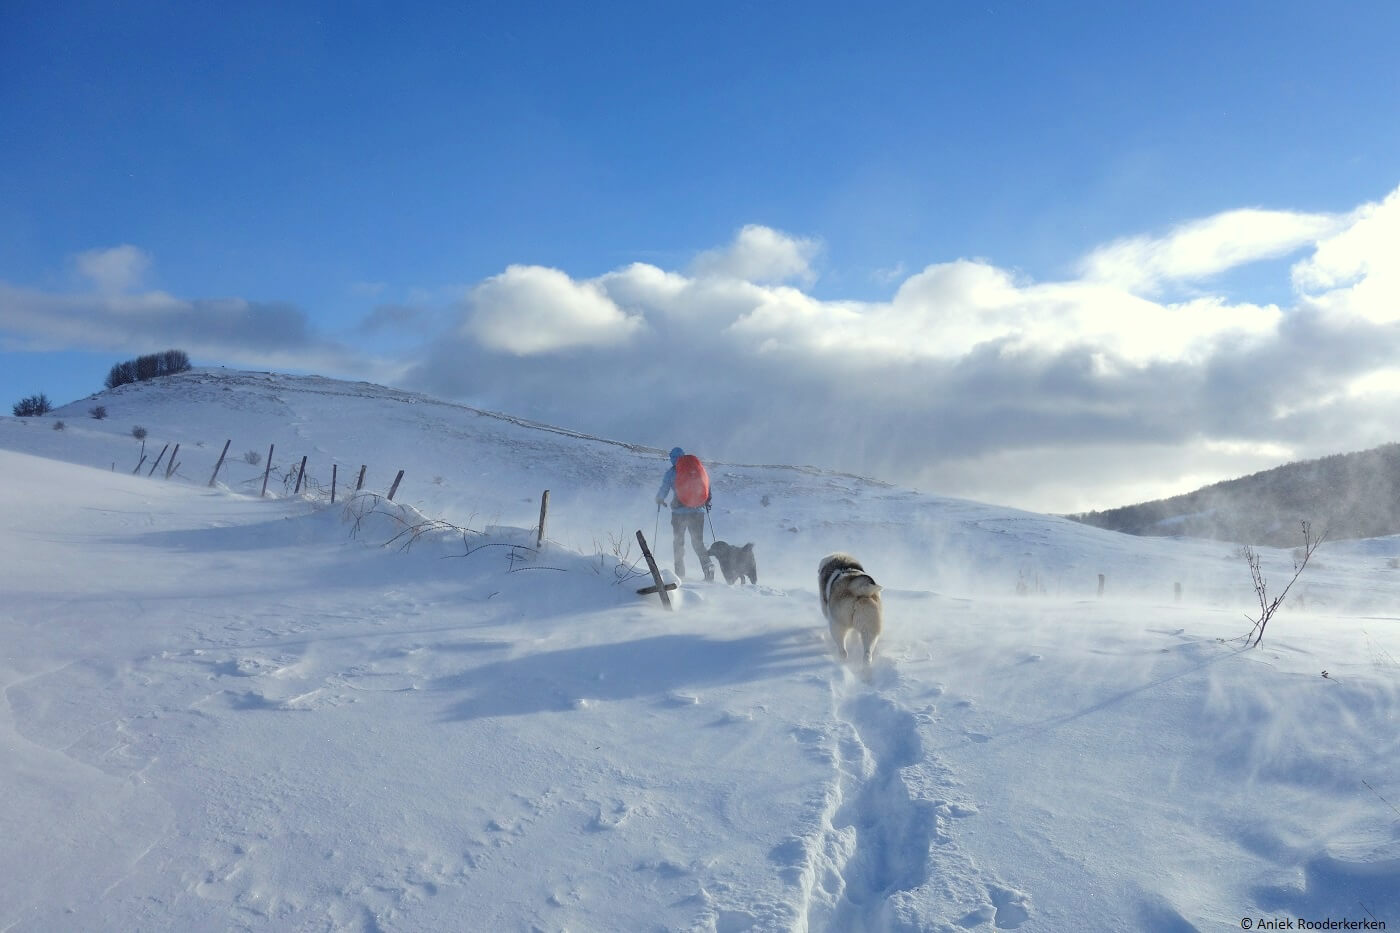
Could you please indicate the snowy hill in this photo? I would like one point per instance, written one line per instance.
(1353, 495)
(224, 711)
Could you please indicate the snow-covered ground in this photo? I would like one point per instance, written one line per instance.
(224, 711)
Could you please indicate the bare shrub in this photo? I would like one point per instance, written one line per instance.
(32, 406)
(624, 566)
(98, 411)
(59, 425)
(1267, 606)
(252, 457)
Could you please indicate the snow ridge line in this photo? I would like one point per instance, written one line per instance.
(326, 387)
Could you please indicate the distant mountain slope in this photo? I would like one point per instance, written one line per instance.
(1354, 495)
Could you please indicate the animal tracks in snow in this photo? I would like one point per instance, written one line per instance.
(884, 854)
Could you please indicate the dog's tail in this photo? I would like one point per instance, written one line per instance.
(864, 585)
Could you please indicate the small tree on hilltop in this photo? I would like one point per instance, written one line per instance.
(32, 406)
(1267, 606)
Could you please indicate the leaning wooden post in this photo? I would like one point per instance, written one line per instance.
(221, 461)
(158, 460)
(1100, 584)
(544, 511)
(300, 473)
(360, 483)
(138, 466)
(268, 469)
(170, 467)
(395, 488)
(332, 484)
(655, 574)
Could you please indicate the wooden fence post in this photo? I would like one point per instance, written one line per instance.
(221, 461)
(267, 469)
(170, 466)
(300, 473)
(360, 483)
(655, 574)
(332, 484)
(138, 465)
(395, 488)
(1100, 584)
(158, 460)
(1178, 592)
(544, 512)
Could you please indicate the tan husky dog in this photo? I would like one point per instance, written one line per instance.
(850, 600)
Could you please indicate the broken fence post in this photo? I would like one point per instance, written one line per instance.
(395, 488)
(360, 483)
(544, 511)
(170, 466)
(332, 484)
(661, 588)
(300, 473)
(221, 461)
(267, 469)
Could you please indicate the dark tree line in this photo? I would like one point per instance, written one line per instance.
(150, 366)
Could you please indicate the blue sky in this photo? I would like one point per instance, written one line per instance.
(727, 203)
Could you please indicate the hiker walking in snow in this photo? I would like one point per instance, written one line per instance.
(689, 483)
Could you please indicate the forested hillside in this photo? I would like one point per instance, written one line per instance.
(1355, 495)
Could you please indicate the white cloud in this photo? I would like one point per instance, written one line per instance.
(643, 286)
(949, 309)
(1202, 248)
(762, 255)
(530, 310)
(115, 270)
(1355, 271)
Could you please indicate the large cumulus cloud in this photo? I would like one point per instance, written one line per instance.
(971, 378)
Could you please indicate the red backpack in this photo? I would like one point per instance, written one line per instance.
(692, 482)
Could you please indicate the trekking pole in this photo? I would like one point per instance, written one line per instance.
(657, 528)
(713, 536)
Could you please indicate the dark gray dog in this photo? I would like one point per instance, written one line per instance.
(735, 563)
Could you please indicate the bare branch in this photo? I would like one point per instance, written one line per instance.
(1267, 606)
